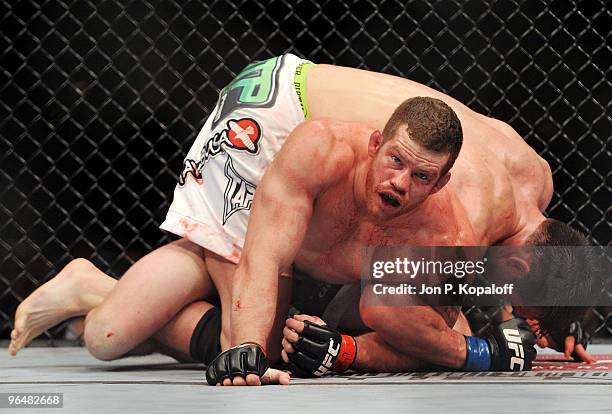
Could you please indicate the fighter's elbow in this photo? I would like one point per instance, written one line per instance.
(373, 316)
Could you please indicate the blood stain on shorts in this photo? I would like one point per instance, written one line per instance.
(235, 256)
(188, 227)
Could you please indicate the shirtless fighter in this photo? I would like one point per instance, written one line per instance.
(331, 187)
(497, 194)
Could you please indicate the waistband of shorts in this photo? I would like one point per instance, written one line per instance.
(299, 81)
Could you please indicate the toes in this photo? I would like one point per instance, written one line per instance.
(227, 382)
(13, 349)
(16, 340)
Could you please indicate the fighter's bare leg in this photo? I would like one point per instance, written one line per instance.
(82, 283)
(77, 288)
(146, 298)
(174, 338)
(221, 272)
(75, 291)
(177, 333)
(91, 287)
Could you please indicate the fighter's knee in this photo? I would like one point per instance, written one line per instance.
(100, 339)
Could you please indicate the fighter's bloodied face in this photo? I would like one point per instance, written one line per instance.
(402, 174)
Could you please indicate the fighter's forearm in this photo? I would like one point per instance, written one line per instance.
(259, 308)
(251, 317)
(420, 333)
(375, 355)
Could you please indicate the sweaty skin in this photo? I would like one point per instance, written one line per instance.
(312, 209)
(315, 193)
(505, 183)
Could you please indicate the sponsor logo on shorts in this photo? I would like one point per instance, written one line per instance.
(241, 134)
(190, 167)
(238, 194)
(255, 87)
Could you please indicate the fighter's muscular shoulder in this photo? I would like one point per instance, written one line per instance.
(316, 155)
(530, 173)
(311, 161)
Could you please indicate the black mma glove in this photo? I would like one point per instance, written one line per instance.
(511, 347)
(248, 358)
(578, 332)
(320, 349)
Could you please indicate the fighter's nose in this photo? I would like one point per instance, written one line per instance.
(401, 184)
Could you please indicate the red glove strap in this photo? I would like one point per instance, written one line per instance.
(348, 352)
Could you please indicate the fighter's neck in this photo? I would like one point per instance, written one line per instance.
(358, 182)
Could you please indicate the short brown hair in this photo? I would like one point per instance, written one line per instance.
(431, 123)
(553, 232)
(578, 279)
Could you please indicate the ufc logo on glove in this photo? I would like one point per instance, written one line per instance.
(515, 343)
(329, 358)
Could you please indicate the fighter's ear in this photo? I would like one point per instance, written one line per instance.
(517, 267)
(376, 139)
(442, 181)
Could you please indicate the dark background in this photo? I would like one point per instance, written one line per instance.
(100, 101)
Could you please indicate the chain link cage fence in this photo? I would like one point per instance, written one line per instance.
(100, 101)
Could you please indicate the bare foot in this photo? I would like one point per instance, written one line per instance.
(76, 290)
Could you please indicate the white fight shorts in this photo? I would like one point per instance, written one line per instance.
(249, 124)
